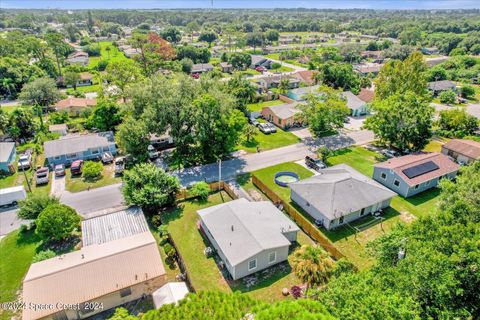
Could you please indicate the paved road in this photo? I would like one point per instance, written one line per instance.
(474, 110)
(94, 200)
(9, 221)
(88, 202)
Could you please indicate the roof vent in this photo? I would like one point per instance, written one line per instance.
(83, 256)
(232, 227)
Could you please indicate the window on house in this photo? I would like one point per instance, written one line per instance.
(362, 212)
(125, 292)
(95, 151)
(427, 183)
(396, 183)
(384, 176)
(416, 186)
(71, 156)
(105, 149)
(272, 257)
(252, 264)
(308, 204)
(57, 157)
(340, 220)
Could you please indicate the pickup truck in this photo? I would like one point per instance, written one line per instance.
(25, 160)
(119, 165)
(42, 176)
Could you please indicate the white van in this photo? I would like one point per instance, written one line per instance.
(11, 196)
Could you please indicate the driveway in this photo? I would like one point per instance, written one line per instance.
(9, 221)
(58, 185)
(355, 123)
(94, 200)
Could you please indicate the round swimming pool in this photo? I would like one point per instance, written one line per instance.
(283, 178)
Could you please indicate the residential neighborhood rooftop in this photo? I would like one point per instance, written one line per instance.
(284, 111)
(353, 102)
(75, 102)
(77, 143)
(468, 148)
(6, 150)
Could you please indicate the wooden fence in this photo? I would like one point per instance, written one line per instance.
(185, 194)
(181, 265)
(299, 219)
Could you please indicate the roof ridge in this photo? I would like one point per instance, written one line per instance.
(247, 229)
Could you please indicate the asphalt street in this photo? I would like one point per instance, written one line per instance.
(9, 220)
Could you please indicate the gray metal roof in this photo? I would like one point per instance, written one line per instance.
(441, 85)
(243, 229)
(76, 144)
(353, 102)
(6, 150)
(113, 226)
(285, 111)
(340, 190)
(305, 90)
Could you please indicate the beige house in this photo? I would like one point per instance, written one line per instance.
(61, 129)
(283, 116)
(93, 279)
(462, 150)
(74, 105)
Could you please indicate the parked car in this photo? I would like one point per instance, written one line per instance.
(272, 127)
(59, 170)
(195, 75)
(312, 161)
(76, 167)
(261, 69)
(119, 165)
(107, 157)
(42, 176)
(25, 160)
(11, 196)
(253, 121)
(389, 153)
(263, 127)
(152, 152)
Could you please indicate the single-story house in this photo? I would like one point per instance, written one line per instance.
(86, 79)
(444, 85)
(74, 105)
(96, 278)
(78, 57)
(307, 77)
(338, 195)
(163, 141)
(462, 150)
(8, 156)
(366, 95)
(431, 62)
(414, 173)
(248, 236)
(373, 54)
(274, 82)
(300, 94)
(61, 129)
(226, 67)
(259, 61)
(357, 107)
(282, 115)
(201, 68)
(170, 293)
(365, 69)
(79, 147)
(430, 51)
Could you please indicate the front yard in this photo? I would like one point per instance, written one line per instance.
(204, 272)
(265, 142)
(77, 183)
(257, 107)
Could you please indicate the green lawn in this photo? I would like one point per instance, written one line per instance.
(257, 107)
(16, 253)
(282, 69)
(264, 142)
(113, 55)
(358, 158)
(77, 183)
(86, 89)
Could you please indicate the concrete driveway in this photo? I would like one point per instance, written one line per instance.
(58, 185)
(355, 123)
(9, 221)
(94, 200)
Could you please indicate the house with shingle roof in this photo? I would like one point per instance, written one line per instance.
(462, 150)
(282, 115)
(357, 106)
(411, 174)
(444, 85)
(78, 57)
(339, 195)
(74, 105)
(366, 95)
(248, 236)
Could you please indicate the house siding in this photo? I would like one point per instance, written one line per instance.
(83, 155)
(241, 269)
(457, 156)
(5, 166)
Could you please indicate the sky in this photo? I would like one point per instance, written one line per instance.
(247, 4)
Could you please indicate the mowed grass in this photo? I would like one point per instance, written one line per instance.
(264, 142)
(111, 54)
(182, 225)
(78, 184)
(16, 253)
(257, 107)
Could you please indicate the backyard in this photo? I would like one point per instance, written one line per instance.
(204, 272)
(257, 107)
(111, 54)
(77, 183)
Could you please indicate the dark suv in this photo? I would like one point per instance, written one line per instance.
(313, 162)
(76, 167)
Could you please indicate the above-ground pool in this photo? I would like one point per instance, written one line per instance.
(283, 178)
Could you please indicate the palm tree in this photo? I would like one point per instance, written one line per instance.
(312, 265)
(249, 132)
(283, 86)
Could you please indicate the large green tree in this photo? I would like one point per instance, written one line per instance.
(106, 116)
(56, 222)
(132, 138)
(149, 187)
(122, 73)
(339, 76)
(41, 91)
(34, 204)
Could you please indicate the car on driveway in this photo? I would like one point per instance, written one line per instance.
(41, 176)
(389, 153)
(59, 170)
(313, 162)
(119, 165)
(272, 127)
(107, 157)
(76, 167)
(253, 121)
(25, 160)
(263, 127)
(152, 152)
(261, 69)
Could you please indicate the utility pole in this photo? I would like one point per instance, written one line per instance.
(26, 179)
(219, 173)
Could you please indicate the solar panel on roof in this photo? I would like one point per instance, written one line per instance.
(420, 169)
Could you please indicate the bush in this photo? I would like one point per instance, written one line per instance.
(102, 65)
(56, 222)
(276, 65)
(201, 190)
(467, 91)
(448, 96)
(169, 250)
(44, 255)
(35, 203)
(92, 170)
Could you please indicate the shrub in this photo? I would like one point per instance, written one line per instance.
(467, 91)
(448, 96)
(201, 190)
(35, 203)
(56, 222)
(169, 250)
(43, 255)
(276, 65)
(102, 65)
(92, 170)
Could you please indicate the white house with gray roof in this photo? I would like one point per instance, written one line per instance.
(79, 147)
(340, 194)
(357, 107)
(248, 236)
